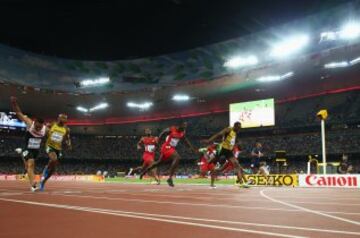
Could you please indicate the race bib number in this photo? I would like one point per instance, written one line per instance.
(211, 155)
(150, 148)
(174, 142)
(233, 140)
(34, 143)
(57, 137)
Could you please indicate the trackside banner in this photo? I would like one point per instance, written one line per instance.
(10, 177)
(330, 180)
(90, 178)
(274, 180)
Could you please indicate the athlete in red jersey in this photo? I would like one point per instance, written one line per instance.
(149, 144)
(208, 155)
(168, 150)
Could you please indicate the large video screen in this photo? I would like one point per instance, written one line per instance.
(10, 121)
(254, 113)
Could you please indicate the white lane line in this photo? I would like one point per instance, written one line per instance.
(234, 197)
(73, 194)
(122, 214)
(239, 223)
(231, 222)
(308, 210)
(194, 204)
(231, 193)
(11, 193)
(237, 197)
(171, 203)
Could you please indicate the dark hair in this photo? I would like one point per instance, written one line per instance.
(237, 124)
(40, 120)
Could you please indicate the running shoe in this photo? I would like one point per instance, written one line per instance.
(170, 182)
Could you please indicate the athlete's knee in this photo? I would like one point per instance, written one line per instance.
(30, 163)
(52, 156)
(235, 164)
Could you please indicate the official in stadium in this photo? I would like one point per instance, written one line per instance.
(345, 167)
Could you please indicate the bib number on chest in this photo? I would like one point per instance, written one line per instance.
(174, 142)
(232, 141)
(150, 148)
(211, 155)
(57, 137)
(34, 143)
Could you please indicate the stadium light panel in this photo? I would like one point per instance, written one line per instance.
(95, 82)
(145, 105)
(181, 97)
(290, 46)
(99, 106)
(82, 109)
(273, 78)
(350, 31)
(355, 61)
(238, 62)
(334, 65)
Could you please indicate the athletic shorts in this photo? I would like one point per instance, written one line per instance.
(205, 166)
(57, 152)
(30, 154)
(167, 151)
(148, 158)
(227, 154)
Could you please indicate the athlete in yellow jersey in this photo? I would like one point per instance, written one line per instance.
(58, 133)
(229, 140)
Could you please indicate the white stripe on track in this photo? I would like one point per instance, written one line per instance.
(309, 210)
(122, 214)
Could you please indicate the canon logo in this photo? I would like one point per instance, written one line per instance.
(340, 181)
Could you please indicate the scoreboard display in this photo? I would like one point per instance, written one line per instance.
(254, 113)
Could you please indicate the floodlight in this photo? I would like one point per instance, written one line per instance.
(333, 65)
(289, 46)
(95, 82)
(99, 106)
(180, 97)
(238, 62)
(81, 109)
(272, 78)
(145, 105)
(351, 30)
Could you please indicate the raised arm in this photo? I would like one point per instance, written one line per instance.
(165, 131)
(15, 106)
(139, 143)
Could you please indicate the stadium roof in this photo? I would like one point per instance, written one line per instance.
(47, 85)
(128, 29)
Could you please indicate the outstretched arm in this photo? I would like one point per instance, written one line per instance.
(68, 139)
(167, 130)
(217, 135)
(190, 145)
(15, 106)
(139, 143)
